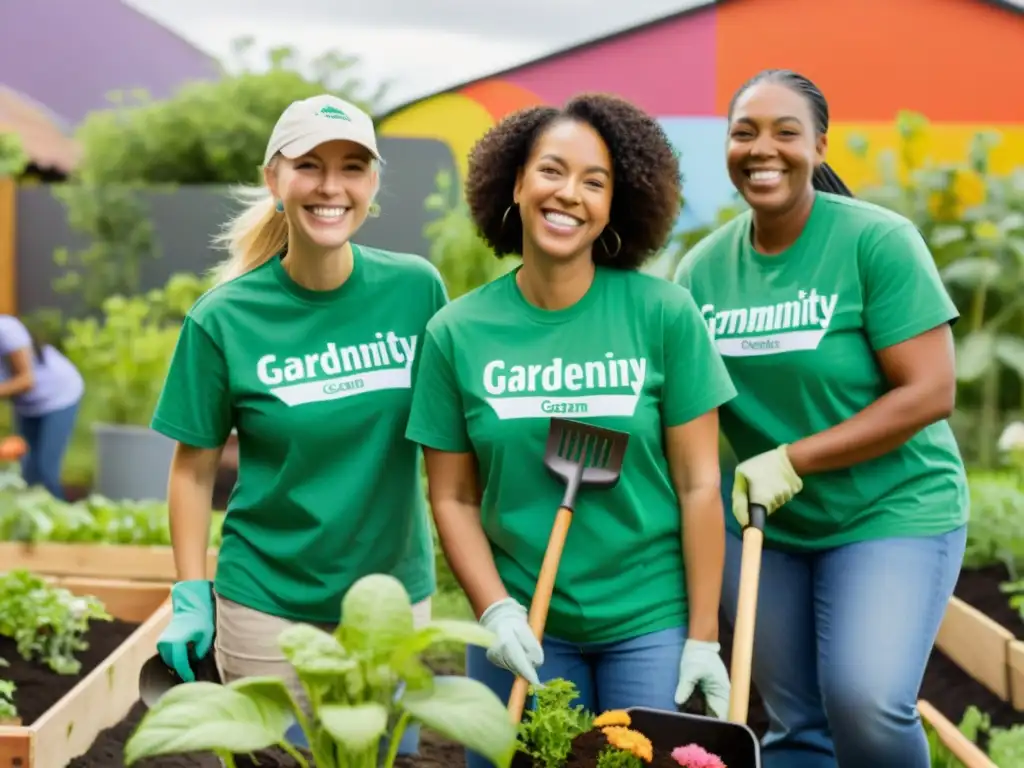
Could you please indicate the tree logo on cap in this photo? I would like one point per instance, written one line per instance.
(334, 113)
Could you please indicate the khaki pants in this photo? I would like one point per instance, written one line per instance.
(246, 644)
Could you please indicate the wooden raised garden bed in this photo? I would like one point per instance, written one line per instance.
(100, 561)
(985, 635)
(62, 715)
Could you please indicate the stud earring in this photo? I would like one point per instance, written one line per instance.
(374, 210)
(279, 206)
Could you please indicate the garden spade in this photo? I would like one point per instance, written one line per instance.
(582, 456)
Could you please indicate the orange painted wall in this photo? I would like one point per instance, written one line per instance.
(947, 59)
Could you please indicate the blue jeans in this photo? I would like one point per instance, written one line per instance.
(841, 644)
(47, 437)
(640, 672)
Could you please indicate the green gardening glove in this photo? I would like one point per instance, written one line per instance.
(767, 479)
(702, 667)
(191, 625)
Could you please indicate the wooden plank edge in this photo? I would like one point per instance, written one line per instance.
(977, 644)
(963, 749)
(1015, 662)
(100, 700)
(15, 746)
(114, 561)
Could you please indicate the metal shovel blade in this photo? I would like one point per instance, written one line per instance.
(583, 455)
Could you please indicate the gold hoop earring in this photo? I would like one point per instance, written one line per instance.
(618, 242)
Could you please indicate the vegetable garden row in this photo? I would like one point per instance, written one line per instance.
(84, 593)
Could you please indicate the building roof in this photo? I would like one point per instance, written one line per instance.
(687, 7)
(42, 133)
(70, 54)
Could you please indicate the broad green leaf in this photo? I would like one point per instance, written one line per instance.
(1010, 351)
(413, 673)
(266, 691)
(974, 354)
(376, 613)
(971, 272)
(356, 727)
(467, 712)
(206, 717)
(947, 234)
(447, 630)
(314, 653)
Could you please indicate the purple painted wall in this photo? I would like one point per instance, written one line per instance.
(69, 54)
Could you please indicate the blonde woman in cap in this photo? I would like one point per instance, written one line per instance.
(307, 347)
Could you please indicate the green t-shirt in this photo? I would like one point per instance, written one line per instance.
(632, 355)
(318, 385)
(798, 332)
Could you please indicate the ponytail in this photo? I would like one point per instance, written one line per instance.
(825, 179)
(253, 237)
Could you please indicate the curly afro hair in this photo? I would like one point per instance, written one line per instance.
(646, 175)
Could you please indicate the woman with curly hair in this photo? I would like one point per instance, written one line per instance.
(585, 194)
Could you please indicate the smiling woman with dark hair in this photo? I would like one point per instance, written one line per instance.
(835, 325)
(585, 194)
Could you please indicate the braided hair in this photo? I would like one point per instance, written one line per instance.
(824, 178)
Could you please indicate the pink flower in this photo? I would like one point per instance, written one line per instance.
(693, 756)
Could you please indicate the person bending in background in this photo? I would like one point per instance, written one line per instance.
(585, 194)
(835, 326)
(45, 389)
(308, 347)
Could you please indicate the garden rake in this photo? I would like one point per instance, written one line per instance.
(582, 456)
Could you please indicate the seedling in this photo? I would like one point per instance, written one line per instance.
(365, 683)
(546, 732)
(47, 623)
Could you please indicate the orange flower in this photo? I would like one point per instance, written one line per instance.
(612, 717)
(630, 741)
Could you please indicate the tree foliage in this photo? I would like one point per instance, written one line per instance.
(209, 132)
(13, 159)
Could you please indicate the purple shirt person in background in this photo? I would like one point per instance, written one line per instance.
(45, 390)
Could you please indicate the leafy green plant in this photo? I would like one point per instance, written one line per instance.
(209, 131)
(456, 248)
(13, 158)
(973, 221)
(47, 623)
(365, 683)
(995, 533)
(8, 711)
(34, 515)
(547, 731)
(114, 220)
(123, 356)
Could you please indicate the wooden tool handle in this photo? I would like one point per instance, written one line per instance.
(963, 749)
(746, 617)
(541, 602)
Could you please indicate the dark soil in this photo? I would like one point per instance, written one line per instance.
(979, 588)
(38, 687)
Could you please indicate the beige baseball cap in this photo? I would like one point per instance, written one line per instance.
(310, 122)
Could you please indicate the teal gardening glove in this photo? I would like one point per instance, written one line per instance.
(767, 479)
(516, 649)
(702, 667)
(191, 624)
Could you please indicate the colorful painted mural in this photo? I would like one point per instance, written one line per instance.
(958, 62)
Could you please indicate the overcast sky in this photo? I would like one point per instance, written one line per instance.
(421, 45)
